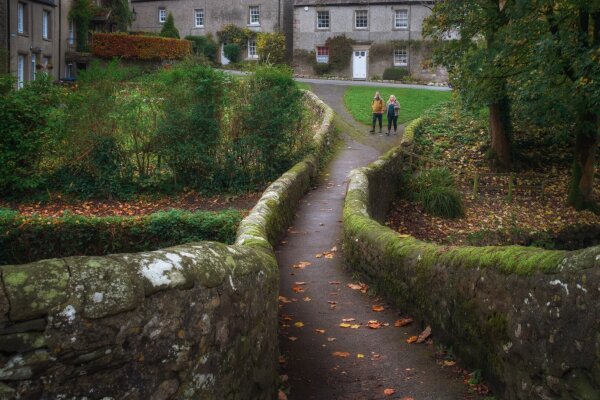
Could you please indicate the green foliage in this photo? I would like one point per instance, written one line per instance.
(395, 74)
(204, 45)
(340, 52)
(436, 190)
(233, 52)
(24, 239)
(189, 133)
(321, 68)
(25, 132)
(168, 29)
(271, 47)
(234, 34)
(82, 13)
(413, 102)
(120, 13)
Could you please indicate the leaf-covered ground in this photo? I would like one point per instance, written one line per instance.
(190, 201)
(459, 140)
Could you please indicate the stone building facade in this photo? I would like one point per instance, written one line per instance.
(386, 34)
(204, 17)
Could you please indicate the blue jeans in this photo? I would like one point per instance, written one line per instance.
(377, 117)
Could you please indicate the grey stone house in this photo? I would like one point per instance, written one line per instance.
(204, 17)
(385, 34)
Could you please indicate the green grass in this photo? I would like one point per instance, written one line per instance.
(413, 102)
(303, 85)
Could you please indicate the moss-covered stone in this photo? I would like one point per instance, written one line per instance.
(22, 342)
(34, 289)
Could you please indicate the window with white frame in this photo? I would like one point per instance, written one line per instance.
(20, 70)
(401, 19)
(401, 56)
(252, 49)
(361, 19)
(33, 65)
(71, 37)
(199, 17)
(254, 15)
(46, 63)
(21, 15)
(46, 24)
(322, 19)
(322, 55)
(162, 15)
(69, 71)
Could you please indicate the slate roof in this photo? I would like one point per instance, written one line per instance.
(46, 2)
(302, 3)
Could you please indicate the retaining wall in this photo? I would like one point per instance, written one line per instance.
(188, 322)
(528, 318)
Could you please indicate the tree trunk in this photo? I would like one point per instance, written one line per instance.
(500, 135)
(582, 178)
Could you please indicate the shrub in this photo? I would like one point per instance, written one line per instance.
(271, 47)
(28, 238)
(340, 52)
(395, 74)
(169, 30)
(232, 51)
(137, 47)
(436, 190)
(82, 13)
(204, 45)
(321, 68)
(234, 34)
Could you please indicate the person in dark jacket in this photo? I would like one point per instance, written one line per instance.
(393, 110)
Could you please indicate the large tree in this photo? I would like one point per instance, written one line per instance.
(472, 56)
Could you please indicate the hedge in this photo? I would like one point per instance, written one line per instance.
(395, 74)
(136, 47)
(25, 239)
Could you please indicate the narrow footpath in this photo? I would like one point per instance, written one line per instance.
(315, 299)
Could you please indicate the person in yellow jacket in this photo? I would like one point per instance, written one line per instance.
(378, 108)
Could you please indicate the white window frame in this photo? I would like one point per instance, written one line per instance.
(46, 24)
(319, 20)
(254, 15)
(322, 58)
(69, 71)
(20, 70)
(398, 20)
(71, 37)
(199, 17)
(21, 7)
(401, 56)
(252, 49)
(33, 66)
(162, 15)
(361, 12)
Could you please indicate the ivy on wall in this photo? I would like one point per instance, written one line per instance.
(233, 34)
(340, 52)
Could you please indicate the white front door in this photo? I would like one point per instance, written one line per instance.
(224, 60)
(359, 64)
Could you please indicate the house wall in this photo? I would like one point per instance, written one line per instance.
(31, 41)
(3, 35)
(307, 37)
(216, 15)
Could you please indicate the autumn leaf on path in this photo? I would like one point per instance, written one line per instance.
(293, 338)
(344, 325)
(342, 354)
(403, 322)
(318, 255)
(287, 317)
(360, 355)
(282, 360)
(424, 335)
(348, 319)
(299, 324)
(388, 392)
(449, 363)
(334, 283)
(307, 298)
(412, 339)
(284, 299)
(330, 339)
(354, 326)
(359, 286)
(300, 283)
(301, 265)
(320, 331)
(377, 308)
(298, 289)
(374, 324)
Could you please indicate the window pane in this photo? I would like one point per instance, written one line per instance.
(254, 15)
(199, 17)
(361, 19)
(401, 56)
(162, 15)
(401, 19)
(45, 20)
(20, 18)
(20, 70)
(322, 55)
(323, 19)
(252, 49)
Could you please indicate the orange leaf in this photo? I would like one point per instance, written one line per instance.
(388, 392)
(342, 354)
(320, 330)
(374, 325)
(412, 339)
(298, 289)
(403, 322)
(424, 335)
(377, 308)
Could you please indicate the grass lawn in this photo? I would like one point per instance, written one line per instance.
(303, 85)
(413, 102)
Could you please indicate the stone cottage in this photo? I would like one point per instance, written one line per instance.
(203, 17)
(383, 34)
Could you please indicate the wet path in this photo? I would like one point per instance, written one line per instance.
(316, 299)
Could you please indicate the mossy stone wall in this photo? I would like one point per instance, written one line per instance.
(195, 321)
(528, 318)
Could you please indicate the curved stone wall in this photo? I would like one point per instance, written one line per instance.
(528, 318)
(193, 321)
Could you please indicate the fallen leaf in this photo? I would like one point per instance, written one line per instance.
(412, 339)
(354, 326)
(449, 363)
(328, 255)
(293, 338)
(374, 325)
(407, 398)
(330, 339)
(342, 354)
(332, 302)
(298, 289)
(344, 325)
(320, 331)
(284, 299)
(424, 335)
(333, 249)
(300, 283)
(334, 283)
(403, 322)
(377, 308)
(282, 360)
(388, 392)
(301, 265)
(348, 319)
(318, 255)
(299, 324)
(287, 317)
(360, 355)
(307, 298)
